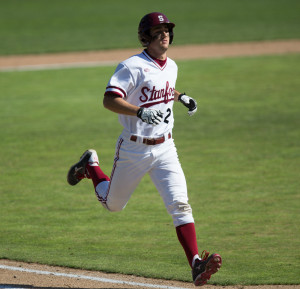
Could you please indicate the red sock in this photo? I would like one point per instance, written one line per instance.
(96, 174)
(187, 237)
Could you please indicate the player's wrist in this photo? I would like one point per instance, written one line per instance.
(180, 96)
(139, 112)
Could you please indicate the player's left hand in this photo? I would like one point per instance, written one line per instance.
(189, 102)
(150, 116)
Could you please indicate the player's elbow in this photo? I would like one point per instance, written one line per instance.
(109, 100)
(106, 102)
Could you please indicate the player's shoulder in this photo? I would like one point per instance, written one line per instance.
(134, 60)
(171, 62)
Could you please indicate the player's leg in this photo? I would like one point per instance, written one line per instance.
(169, 179)
(115, 194)
(170, 182)
(128, 169)
(131, 163)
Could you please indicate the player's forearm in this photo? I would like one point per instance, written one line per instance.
(119, 105)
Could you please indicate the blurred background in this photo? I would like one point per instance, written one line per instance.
(240, 152)
(41, 26)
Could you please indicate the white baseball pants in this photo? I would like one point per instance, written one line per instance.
(132, 161)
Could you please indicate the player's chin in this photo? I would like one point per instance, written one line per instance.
(165, 45)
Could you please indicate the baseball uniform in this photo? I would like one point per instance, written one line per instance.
(140, 80)
(142, 92)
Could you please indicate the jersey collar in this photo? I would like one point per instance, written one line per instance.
(161, 64)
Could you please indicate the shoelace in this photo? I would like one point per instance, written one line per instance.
(204, 255)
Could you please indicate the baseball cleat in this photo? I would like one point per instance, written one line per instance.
(78, 171)
(203, 269)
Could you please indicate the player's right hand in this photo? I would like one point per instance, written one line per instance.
(150, 116)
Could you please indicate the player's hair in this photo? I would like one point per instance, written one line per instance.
(150, 20)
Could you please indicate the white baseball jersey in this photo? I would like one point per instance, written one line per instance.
(141, 81)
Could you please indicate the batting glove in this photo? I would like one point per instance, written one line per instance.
(151, 116)
(189, 102)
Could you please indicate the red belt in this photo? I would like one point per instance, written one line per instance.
(151, 141)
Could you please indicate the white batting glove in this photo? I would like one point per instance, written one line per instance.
(149, 115)
(189, 102)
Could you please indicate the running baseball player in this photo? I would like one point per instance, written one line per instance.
(142, 92)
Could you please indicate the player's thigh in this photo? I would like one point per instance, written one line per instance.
(169, 178)
(122, 185)
(127, 172)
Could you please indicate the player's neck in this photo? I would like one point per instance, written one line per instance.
(157, 54)
(160, 62)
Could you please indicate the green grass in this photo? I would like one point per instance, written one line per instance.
(240, 154)
(60, 25)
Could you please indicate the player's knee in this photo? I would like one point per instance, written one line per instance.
(115, 207)
(111, 209)
(181, 212)
(179, 207)
(112, 204)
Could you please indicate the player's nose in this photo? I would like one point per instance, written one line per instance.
(164, 34)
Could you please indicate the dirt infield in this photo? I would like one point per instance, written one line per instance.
(23, 275)
(95, 58)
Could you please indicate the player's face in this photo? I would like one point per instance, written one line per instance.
(160, 37)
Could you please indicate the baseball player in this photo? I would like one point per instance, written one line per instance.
(142, 92)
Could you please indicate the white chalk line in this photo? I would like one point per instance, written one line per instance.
(58, 66)
(5, 286)
(91, 278)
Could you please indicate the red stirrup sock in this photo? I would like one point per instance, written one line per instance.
(187, 237)
(96, 174)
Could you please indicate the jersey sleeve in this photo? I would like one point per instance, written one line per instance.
(121, 83)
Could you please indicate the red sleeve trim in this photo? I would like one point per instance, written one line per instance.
(116, 90)
(107, 93)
